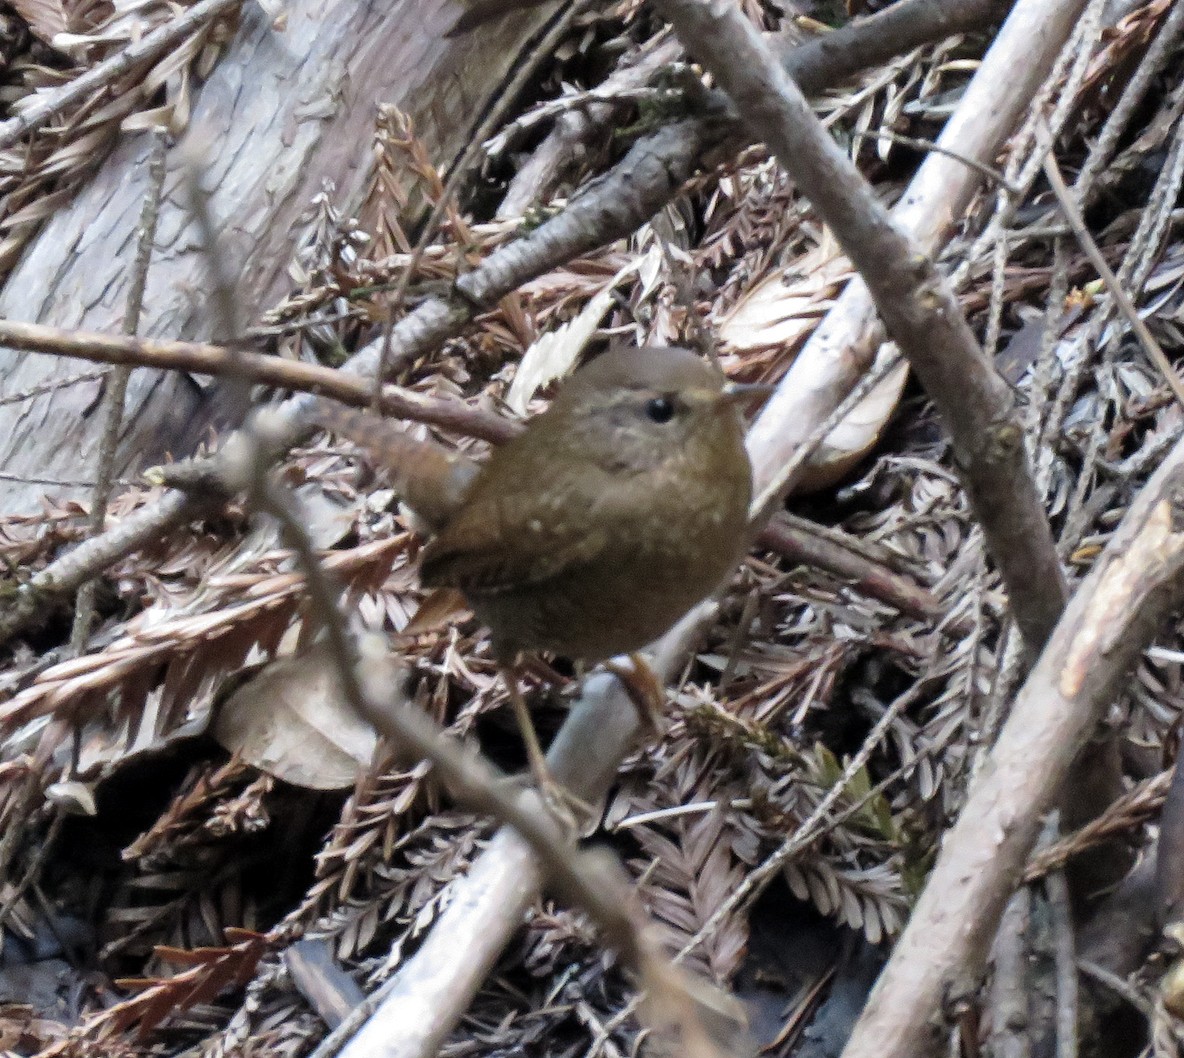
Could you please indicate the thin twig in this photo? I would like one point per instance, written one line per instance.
(772, 495)
(1118, 985)
(223, 299)
(65, 575)
(294, 375)
(52, 387)
(1065, 962)
(994, 175)
(1169, 859)
(460, 172)
(53, 483)
(1064, 948)
(809, 545)
(1101, 150)
(1081, 233)
(41, 852)
(156, 43)
(117, 381)
(1010, 995)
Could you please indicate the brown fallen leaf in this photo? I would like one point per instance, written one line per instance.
(292, 722)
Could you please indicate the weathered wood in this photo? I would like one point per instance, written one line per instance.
(281, 115)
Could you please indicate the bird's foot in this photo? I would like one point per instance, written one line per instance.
(570, 809)
(645, 691)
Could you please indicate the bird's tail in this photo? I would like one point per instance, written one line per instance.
(431, 479)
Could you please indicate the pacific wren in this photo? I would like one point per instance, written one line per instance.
(613, 513)
(594, 530)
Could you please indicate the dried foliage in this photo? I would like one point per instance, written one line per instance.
(42, 171)
(199, 862)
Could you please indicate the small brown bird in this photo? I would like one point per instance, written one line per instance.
(593, 531)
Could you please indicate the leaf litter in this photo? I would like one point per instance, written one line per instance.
(200, 866)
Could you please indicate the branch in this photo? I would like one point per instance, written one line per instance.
(806, 544)
(66, 575)
(155, 44)
(917, 305)
(822, 61)
(1135, 584)
(1126, 306)
(294, 375)
(116, 380)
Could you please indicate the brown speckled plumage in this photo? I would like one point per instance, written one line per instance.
(592, 532)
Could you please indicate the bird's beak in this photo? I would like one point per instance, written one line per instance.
(741, 392)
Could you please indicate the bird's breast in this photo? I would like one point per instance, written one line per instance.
(658, 561)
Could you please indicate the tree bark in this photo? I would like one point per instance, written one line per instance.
(283, 113)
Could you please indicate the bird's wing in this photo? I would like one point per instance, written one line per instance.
(506, 539)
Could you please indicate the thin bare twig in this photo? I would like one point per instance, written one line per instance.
(1010, 995)
(65, 575)
(15, 893)
(1065, 962)
(994, 175)
(1081, 233)
(223, 300)
(774, 491)
(1169, 861)
(117, 380)
(151, 46)
(294, 375)
(1119, 986)
(52, 387)
(803, 543)
(1102, 149)
(917, 305)
(1064, 949)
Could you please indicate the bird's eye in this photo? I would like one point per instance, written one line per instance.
(659, 409)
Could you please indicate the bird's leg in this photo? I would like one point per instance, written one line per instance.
(534, 750)
(645, 691)
(551, 789)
